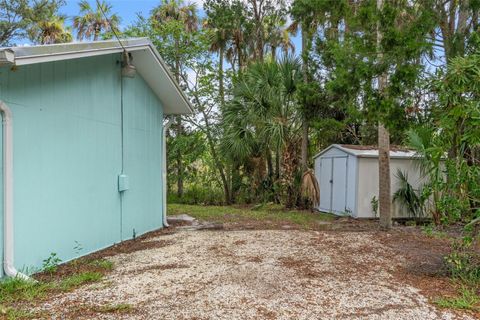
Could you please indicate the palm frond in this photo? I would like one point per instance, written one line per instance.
(310, 189)
(407, 196)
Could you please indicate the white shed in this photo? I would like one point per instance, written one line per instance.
(348, 178)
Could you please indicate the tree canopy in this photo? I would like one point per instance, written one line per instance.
(274, 82)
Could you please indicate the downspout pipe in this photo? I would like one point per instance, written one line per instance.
(8, 250)
(166, 126)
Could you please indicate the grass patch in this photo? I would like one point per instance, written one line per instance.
(16, 289)
(467, 299)
(16, 292)
(14, 314)
(77, 280)
(103, 264)
(269, 213)
(115, 308)
(13, 290)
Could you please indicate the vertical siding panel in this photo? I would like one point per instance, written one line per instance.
(67, 157)
(142, 204)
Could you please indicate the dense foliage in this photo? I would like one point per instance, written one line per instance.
(264, 106)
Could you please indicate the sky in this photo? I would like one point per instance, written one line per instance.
(126, 9)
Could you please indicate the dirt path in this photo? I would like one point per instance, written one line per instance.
(261, 274)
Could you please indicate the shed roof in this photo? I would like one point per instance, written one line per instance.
(396, 152)
(145, 58)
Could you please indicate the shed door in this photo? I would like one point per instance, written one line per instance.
(333, 184)
(326, 166)
(339, 185)
(142, 159)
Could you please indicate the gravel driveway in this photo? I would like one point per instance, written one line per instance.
(261, 274)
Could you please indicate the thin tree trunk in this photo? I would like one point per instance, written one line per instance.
(221, 90)
(179, 159)
(304, 155)
(304, 143)
(216, 159)
(384, 199)
(179, 132)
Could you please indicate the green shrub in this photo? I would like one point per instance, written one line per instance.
(50, 264)
(197, 194)
(464, 263)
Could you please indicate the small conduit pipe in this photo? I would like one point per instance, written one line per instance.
(8, 248)
(164, 171)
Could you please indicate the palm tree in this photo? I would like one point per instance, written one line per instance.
(278, 35)
(92, 22)
(263, 119)
(51, 31)
(175, 11)
(235, 52)
(218, 44)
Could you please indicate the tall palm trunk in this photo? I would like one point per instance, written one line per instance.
(384, 199)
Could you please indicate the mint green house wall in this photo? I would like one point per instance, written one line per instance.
(143, 130)
(71, 142)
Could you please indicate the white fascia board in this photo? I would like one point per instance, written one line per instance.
(162, 82)
(336, 146)
(21, 61)
(172, 80)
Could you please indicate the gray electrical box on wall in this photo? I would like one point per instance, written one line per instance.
(123, 183)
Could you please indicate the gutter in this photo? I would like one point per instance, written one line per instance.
(164, 171)
(8, 250)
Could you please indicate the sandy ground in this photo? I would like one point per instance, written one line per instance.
(261, 274)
